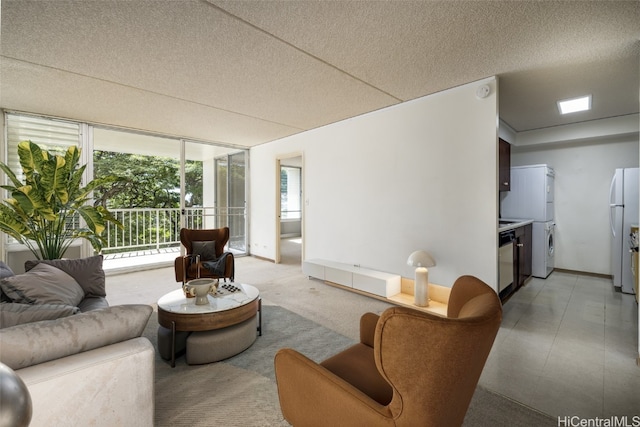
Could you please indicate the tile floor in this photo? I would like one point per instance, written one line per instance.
(568, 347)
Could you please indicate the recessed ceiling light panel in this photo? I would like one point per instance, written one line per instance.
(574, 105)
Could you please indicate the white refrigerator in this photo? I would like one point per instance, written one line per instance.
(623, 212)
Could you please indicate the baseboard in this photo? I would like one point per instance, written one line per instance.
(263, 258)
(583, 273)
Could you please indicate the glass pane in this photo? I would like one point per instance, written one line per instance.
(200, 181)
(290, 193)
(148, 203)
(222, 185)
(237, 200)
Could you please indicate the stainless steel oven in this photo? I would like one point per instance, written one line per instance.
(505, 259)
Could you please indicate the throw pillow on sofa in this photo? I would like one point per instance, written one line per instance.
(88, 272)
(43, 284)
(5, 270)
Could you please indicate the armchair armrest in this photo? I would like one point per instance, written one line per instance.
(311, 395)
(179, 266)
(368, 323)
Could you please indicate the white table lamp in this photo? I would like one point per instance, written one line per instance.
(421, 260)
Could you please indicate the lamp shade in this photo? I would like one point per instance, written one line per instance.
(421, 259)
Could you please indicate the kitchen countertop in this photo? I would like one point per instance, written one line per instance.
(513, 223)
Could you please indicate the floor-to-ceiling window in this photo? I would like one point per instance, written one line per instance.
(170, 183)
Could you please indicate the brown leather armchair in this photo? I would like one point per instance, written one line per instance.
(203, 246)
(411, 368)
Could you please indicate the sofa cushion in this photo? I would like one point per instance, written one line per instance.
(12, 313)
(93, 303)
(88, 272)
(34, 343)
(44, 284)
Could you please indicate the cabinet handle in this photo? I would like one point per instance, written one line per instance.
(519, 245)
(505, 183)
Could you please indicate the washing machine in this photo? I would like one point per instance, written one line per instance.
(543, 250)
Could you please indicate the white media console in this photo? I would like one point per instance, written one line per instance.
(390, 287)
(363, 279)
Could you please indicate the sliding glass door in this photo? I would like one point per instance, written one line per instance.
(230, 197)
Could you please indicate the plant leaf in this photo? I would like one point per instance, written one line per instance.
(12, 176)
(93, 218)
(11, 223)
(32, 202)
(76, 194)
(54, 179)
(31, 158)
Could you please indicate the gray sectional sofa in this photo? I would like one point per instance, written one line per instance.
(84, 363)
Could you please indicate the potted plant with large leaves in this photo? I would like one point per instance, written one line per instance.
(44, 211)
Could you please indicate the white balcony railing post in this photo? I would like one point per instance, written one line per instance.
(157, 227)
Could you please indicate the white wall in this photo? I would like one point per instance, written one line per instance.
(583, 176)
(419, 175)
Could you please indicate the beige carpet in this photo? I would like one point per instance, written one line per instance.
(241, 391)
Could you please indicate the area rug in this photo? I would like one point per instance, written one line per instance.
(241, 390)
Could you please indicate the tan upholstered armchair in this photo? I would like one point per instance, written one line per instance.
(204, 248)
(411, 368)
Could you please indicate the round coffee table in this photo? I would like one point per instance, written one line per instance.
(231, 305)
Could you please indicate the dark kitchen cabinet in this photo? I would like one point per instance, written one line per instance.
(504, 165)
(522, 254)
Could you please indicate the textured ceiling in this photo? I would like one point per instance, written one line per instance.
(248, 72)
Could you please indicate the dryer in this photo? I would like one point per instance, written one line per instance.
(531, 195)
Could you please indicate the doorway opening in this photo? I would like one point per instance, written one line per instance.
(289, 210)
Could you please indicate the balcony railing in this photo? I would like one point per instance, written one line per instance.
(150, 229)
(157, 229)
